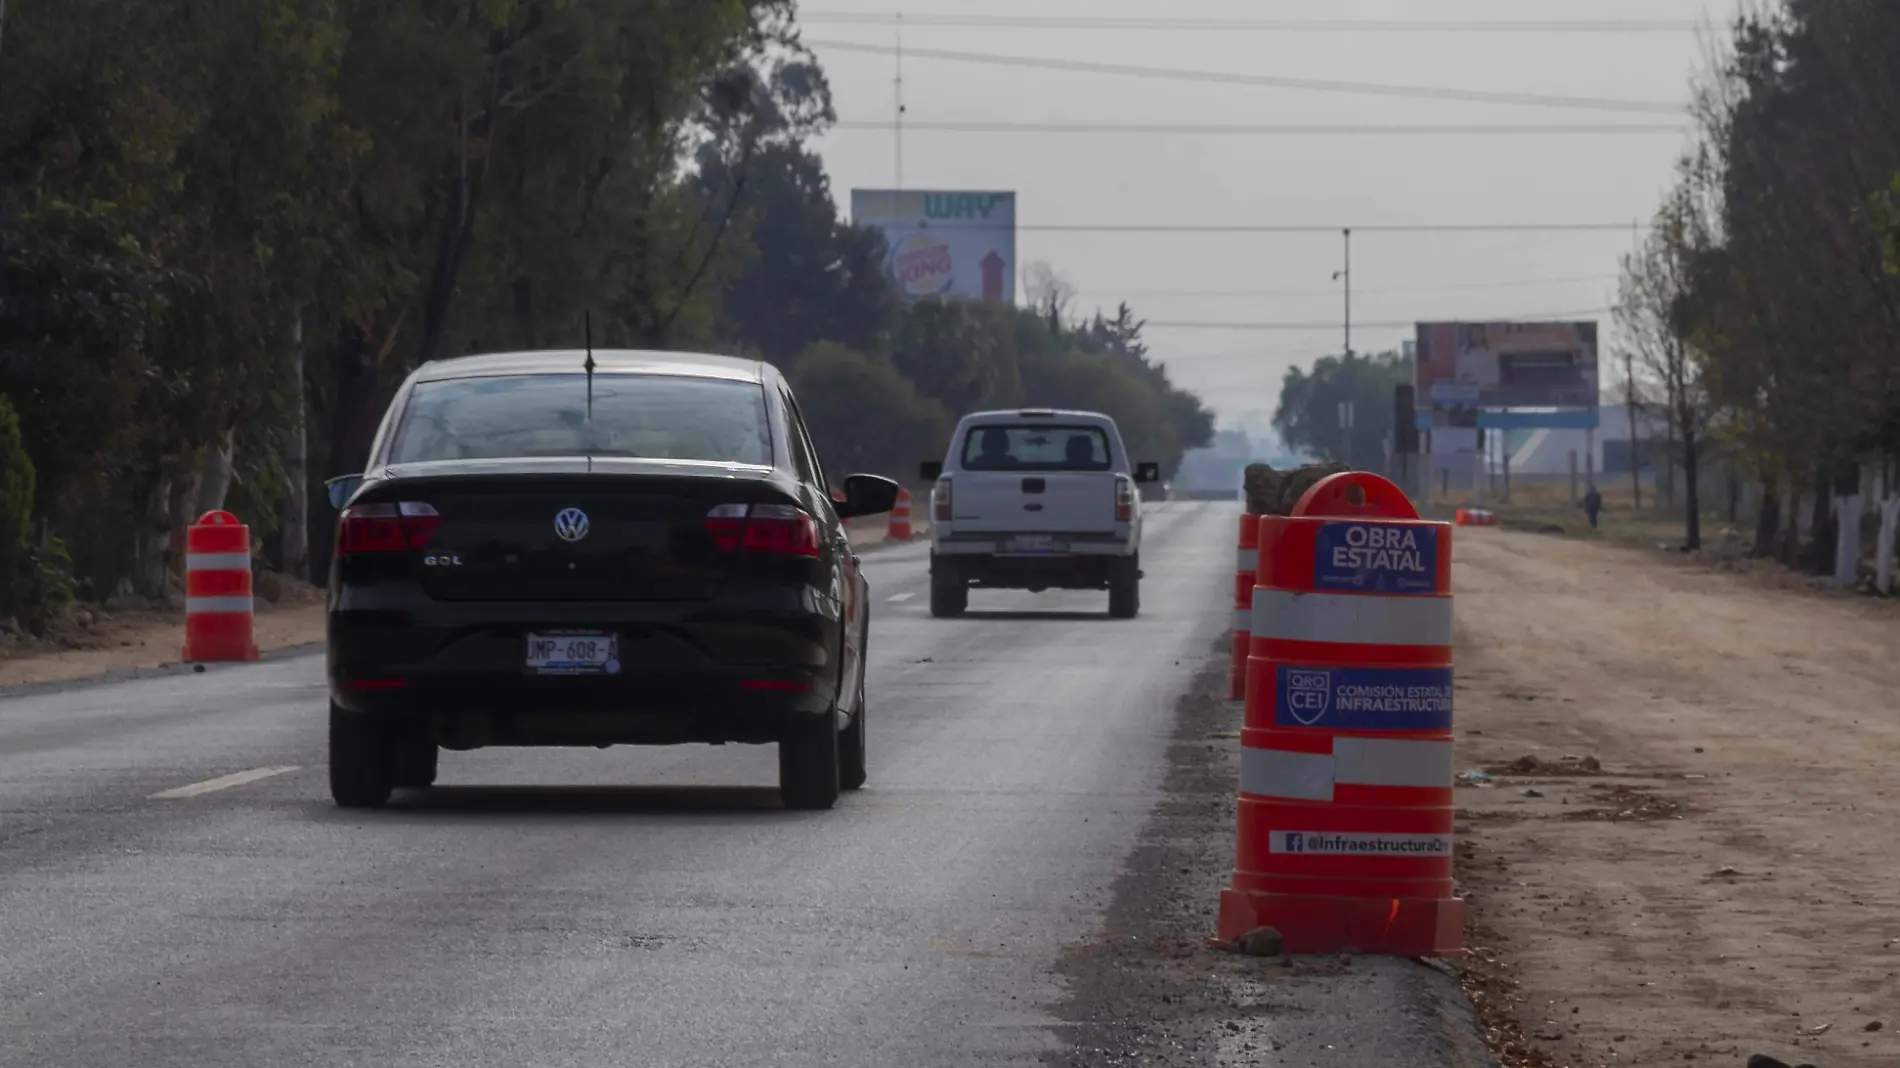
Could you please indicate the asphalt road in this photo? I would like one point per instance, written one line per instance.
(627, 906)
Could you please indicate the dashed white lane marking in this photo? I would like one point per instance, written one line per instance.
(222, 782)
(902, 596)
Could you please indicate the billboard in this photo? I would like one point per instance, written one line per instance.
(1507, 365)
(944, 244)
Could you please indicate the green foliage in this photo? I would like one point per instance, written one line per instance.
(16, 489)
(201, 203)
(35, 580)
(1308, 414)
(864, 415)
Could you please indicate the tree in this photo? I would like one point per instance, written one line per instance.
(1661, 313)
(864, 415)
(1308, 415)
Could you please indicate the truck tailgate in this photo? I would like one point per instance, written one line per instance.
(1052, 502)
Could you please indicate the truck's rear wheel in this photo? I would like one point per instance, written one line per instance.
(949, 592)
(1124, 588)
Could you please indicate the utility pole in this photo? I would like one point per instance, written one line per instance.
(898, 87)
(1347, 275)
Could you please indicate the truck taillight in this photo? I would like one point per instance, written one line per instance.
(778, 529)
(940, 501)
(386, 528)
(1124, 499)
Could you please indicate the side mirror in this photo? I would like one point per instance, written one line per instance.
(930, 470)
(867, 495)
(1149, 472)
(341, 489)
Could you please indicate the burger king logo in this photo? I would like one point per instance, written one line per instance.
(921, 265)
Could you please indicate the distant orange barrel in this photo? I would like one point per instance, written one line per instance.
(1345, 813)
(1246, 564)
(900, 516)
(219, 607)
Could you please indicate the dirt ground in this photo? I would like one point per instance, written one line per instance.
(96, 640)
(1700, 858)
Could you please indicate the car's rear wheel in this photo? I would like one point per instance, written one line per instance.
(853, 769)
(414, 753)
(1124, 588)
(949, 592)
(361, 763)
(809, 772)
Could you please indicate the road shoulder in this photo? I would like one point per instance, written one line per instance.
(1676, 810)
(1146, 988)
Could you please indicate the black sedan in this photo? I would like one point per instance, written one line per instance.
(592, 549)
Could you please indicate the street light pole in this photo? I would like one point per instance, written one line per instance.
(1348, 275)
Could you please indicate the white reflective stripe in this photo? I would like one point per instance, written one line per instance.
(1247, 560)
(1392, 762)
(1364, 619)
(200, 605)
(1277, 773)
(1353, 762)
(217, 561)
(1243, 619)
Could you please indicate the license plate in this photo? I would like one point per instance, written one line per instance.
(574, 654)
(1040, 543)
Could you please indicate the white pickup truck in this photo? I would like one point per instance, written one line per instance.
(1036, 499)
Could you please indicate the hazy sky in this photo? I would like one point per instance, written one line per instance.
(1334, 181)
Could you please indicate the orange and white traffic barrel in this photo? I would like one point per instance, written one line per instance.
(1345, 813)
(1246, 563)
(219, 607)
(900, 516)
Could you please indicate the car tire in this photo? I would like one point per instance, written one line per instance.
(360, 761)
(852, 757)
(415, 759)
(949, 592)
(1124, 589)
(808, 765)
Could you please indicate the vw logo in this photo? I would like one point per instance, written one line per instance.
(571, 524)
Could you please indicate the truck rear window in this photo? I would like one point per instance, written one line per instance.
(1015, 447)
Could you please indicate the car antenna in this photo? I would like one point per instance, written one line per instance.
(587, 325)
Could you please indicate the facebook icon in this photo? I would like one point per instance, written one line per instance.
(1295, 842)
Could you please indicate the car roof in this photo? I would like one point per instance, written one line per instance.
(606, 362)
(1025, 415)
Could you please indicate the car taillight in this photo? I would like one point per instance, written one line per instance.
(1124, 499)
(779, 529)
(386, 528)
(940, 501)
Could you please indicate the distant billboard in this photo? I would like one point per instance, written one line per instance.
(944, 244)
(1507, 365)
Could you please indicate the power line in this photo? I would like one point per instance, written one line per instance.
(1263, 80)
(1232, 129)
(1256, 294)
(1304, 228)
(1089, 22)
(1204, 324)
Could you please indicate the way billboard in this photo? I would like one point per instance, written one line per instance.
(1507, 365)
(944, 244)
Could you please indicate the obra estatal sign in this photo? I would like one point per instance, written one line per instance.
(944, 243)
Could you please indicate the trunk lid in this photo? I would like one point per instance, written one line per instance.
(577, 530)
(1036, 502)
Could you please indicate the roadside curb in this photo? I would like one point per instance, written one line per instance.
(165, 670)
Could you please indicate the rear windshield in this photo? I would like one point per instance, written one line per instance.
(649, 416)
(1015, 447)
